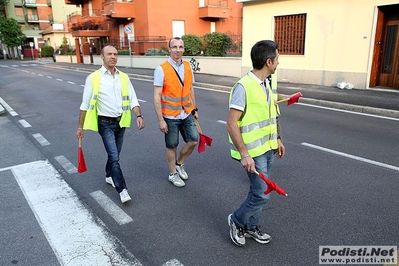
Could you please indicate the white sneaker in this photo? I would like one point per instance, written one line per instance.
(110, 181)
(175, 180)
(124, 196)
(182, 172)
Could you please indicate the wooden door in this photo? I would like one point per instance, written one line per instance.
(389, 72)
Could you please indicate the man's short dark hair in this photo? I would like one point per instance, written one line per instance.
(174, 38)
(261, 51)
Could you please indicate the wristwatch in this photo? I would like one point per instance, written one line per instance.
(140, 116)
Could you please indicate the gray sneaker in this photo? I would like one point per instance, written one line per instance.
(182, 172)
(236, 233)
(109, 180)
(175, 180)
(258, 235)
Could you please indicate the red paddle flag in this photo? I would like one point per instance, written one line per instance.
(203, 139)
(271, 185)
(81, 159)
(294, 98)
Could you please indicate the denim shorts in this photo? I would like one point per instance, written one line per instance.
(186, 127)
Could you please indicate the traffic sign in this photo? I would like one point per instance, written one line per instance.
(128, 29)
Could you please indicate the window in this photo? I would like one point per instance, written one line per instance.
(289, 34)
(19, 12)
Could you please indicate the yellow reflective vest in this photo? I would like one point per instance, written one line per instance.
(91, 120)
(258, 124)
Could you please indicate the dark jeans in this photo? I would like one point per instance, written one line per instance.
(112, 135)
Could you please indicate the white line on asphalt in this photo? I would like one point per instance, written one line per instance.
(109, 206)
(41, 139)
(144, 101)
(24, 123)
(40, 75)
(49, 77)
(347, 111)
(173, 262)
(33, 73)
(76, 235)
(25, 71)
(351, 156)
(59, 79)
(70, 82)
(66, 164)
(222, 122)
(8, 108)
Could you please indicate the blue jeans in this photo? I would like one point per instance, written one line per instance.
(250, 211)
(186, 127)
(112, 136)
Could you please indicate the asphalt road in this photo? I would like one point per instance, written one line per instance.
(340, 172)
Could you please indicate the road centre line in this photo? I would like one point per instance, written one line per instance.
(109, 206)
(41, 139)
(24, 123)
(351, 156)
(76, 236)
(66, 164)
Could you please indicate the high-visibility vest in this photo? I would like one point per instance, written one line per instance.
(258, 124)
(174, 98)
(91, 120)
(273, 84)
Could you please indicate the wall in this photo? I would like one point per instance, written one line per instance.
(339, 39)
(223, 66)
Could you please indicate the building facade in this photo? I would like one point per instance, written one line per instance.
(145, 24)
(327, 42)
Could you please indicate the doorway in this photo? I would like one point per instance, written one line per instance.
(385, 66)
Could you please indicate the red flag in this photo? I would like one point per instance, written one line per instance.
(271, 185)
(203, 139)
(294, 98)
(81, 159)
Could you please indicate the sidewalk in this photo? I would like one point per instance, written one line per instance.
(383, 102)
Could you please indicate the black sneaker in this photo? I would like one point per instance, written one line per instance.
(258, 235)
(236, 233)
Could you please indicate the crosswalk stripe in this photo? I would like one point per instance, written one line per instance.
(76, 235)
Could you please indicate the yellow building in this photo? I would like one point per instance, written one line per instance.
(325, 42)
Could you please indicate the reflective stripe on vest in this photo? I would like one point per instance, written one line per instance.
(258, 126)
(174, 100)
(91, 120)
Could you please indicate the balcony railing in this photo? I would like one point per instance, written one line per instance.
(217, 3)
(91, 13)
(32, 18)
(29, 2)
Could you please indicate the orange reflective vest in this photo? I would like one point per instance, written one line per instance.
(175, 98)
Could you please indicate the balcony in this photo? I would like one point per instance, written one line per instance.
(74, 2)
(114, 9)
(32, 18)
(31, 3)
(214, 9)
(91, 28)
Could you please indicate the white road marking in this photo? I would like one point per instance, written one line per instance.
(351, 156)
(59, 79)
(173, 262)
(41, 139)
(109, 206)
(49, 77)
(347, 111)
(66, 164)
(8, 108)
(144, 101)
(40, 75)
(70, 82)
(24, 123)
(222, 122)
(76, 236)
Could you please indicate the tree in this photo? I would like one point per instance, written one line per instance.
(10, 32)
